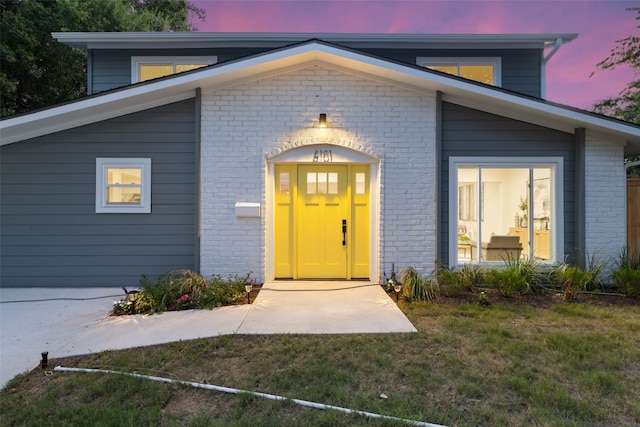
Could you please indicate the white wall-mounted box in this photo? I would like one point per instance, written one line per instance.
(247, 210)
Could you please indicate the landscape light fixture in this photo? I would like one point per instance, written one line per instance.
(397, 287)
(247, 287)
(322, 120)
(132, 296)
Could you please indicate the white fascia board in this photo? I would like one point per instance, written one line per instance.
(541, 113)
(157, 40)
(81, 113)
(140, 97)
(487, 98)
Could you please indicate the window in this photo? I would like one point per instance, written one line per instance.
(151, 67)
(505, 209)
(123, 185)
(483, 70)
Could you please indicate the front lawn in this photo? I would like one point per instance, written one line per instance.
(505, 364)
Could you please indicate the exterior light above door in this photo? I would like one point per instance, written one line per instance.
(322, 121)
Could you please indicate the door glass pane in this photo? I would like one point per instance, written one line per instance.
(284, 183)
(312, 186)
(322, 183)
(333, 183)
(360, 183)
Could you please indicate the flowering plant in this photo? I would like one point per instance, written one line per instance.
(569, 294)
(122, 307)
(484, 299)
(184, 301)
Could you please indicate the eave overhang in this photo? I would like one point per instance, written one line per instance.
(180, 40)
(183, 86)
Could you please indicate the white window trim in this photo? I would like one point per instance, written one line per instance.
(136, 61)
(496, 61)
(557, 207)
(102, 165)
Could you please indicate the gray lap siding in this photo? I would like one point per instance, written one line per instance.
(112, 68)
(520, 69)
(50, 233)
(469, 132)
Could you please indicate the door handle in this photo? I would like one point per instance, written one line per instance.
(344, 232)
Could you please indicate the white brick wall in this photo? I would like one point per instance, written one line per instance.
(245, 124)
(605, 184)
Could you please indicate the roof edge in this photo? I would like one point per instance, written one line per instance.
(181, 86)
(127, 40)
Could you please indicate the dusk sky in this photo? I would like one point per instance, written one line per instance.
(598, 25)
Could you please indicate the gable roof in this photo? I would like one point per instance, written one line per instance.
(178, 87)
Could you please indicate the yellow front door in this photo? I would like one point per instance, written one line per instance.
(322, 221)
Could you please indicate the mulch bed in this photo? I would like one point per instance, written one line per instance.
(252, 296)
(543, 300)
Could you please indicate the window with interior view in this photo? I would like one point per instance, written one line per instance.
(123, 185)
(505, 209)
(483, 70)
(152, 67)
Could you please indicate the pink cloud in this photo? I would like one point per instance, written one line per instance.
(598, 23)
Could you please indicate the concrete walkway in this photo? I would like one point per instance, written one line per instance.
(68, 322)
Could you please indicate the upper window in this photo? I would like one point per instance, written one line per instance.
(123, 185)
(151, 67)
(505, 209)
(483, 70)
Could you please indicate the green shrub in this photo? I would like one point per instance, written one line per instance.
(146, 304)
(585, 273)
(530, 270)
(416, 287)
(626, 275)
(185, 289)
(153, 295)
(453, 283)
(458, 280)
(508, 281)
(517, 276)
(566, 275)
(628, 281)
(223, 291)
(628, 259)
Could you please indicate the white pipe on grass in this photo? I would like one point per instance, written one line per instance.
(252, 393)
